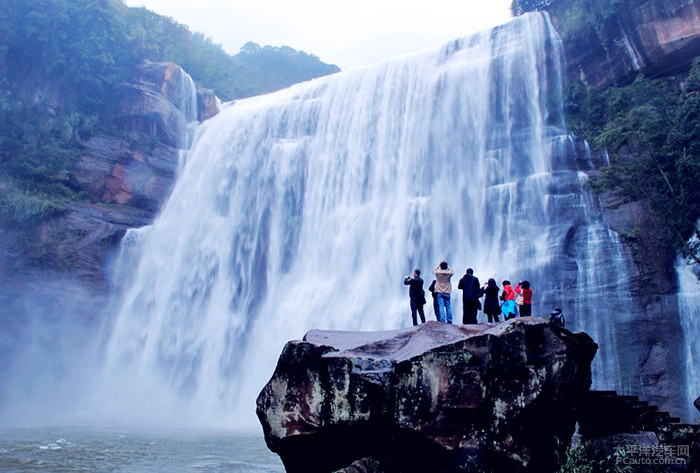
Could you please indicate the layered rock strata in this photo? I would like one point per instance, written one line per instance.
(654, 38)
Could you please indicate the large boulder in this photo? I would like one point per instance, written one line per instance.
(437, 397)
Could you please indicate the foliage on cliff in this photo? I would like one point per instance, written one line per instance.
(37, 146)
(61, 65)
(578, 17)
(89, 45)
(255, 70)
(651, 128)
(613, 455)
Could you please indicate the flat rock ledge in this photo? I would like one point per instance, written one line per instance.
(433, 398)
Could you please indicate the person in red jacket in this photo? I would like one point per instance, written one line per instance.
(508, 307)
(523, 289)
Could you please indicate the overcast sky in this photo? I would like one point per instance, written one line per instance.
(345, 33)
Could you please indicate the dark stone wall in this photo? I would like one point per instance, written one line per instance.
(657, 38)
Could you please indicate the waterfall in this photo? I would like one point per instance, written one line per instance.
(182, 93)
(306, 208)
(689, 310)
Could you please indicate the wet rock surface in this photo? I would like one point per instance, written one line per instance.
(207, 105)
(160, 101)
(437, 397)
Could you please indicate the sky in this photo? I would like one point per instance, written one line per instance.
(347, 34)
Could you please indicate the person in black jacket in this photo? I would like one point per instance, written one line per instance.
(471, 292)
(416, 295)
(436, 304)
(492, 307)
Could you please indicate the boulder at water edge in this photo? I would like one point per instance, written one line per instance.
(432, 398)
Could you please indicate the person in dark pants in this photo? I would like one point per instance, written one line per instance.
(416, 295)
(523, 289)
(436, 304)
(471, 292)
(491, 305)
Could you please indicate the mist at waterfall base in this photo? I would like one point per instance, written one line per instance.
(306, 208)
(49, 324)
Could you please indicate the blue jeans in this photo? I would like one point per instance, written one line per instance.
(443, 299)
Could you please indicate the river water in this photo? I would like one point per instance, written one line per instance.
(83, 449)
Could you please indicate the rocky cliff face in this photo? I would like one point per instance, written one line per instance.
(437, 397)
(125, 178)
(160, 102)
(651, 338)
(654, 38)
(54, 272)
(657, 39)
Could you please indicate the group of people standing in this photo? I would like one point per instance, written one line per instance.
(497, 301)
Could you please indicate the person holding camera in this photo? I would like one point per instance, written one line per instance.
(416, 295)
(523, 289)
(443, 288)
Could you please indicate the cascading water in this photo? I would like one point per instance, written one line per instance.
(689, 310)
(306, 208)
(185, 98)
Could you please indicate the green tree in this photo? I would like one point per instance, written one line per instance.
(651, 129)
